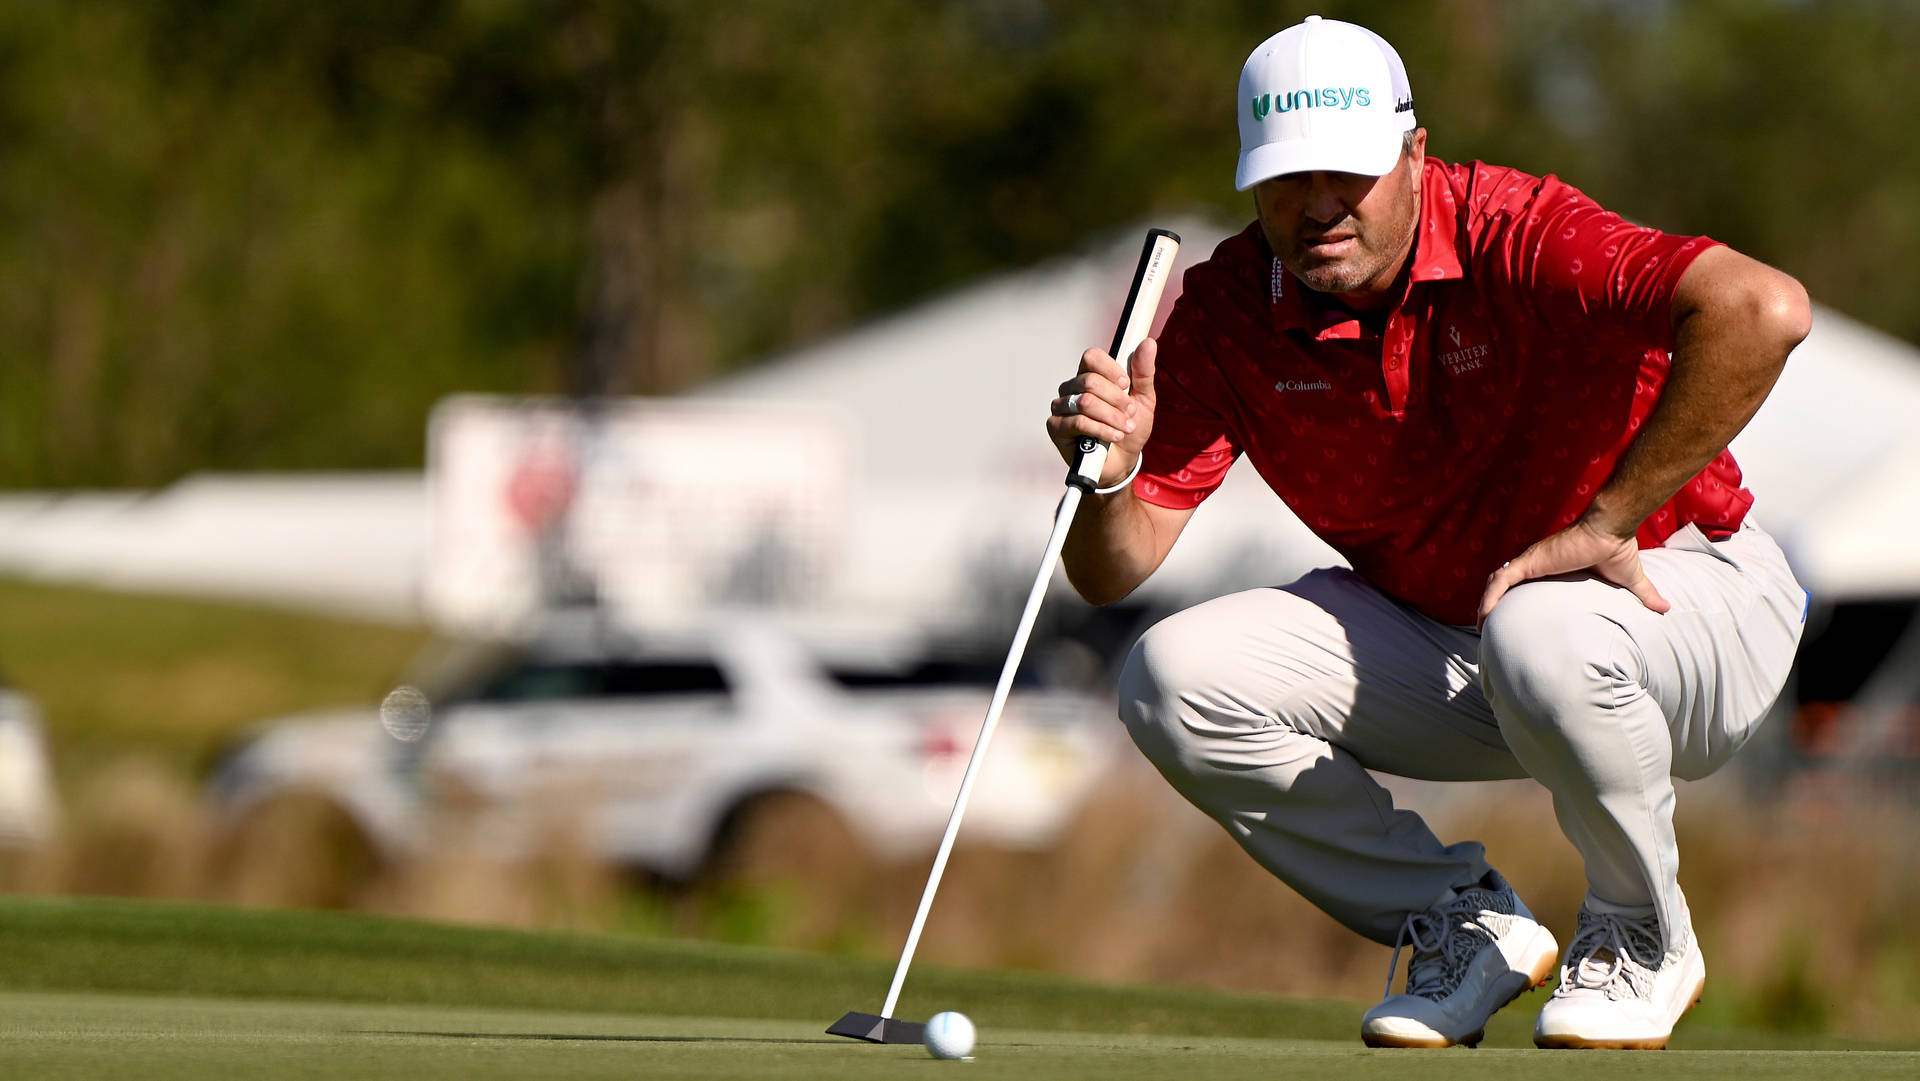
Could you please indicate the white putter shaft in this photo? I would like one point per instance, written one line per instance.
(1136, 319)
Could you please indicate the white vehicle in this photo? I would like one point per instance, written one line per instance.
(667, 749)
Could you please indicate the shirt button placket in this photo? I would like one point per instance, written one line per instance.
(1395, 342)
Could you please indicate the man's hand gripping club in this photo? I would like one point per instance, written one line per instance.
(1106, 402)
(1117, 540)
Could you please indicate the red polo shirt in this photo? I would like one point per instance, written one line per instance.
(1530, 342)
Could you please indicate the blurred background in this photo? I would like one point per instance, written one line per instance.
(580, 463)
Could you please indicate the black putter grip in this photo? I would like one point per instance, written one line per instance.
(1136, 319)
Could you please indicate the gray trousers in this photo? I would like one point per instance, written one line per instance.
(1266, 709)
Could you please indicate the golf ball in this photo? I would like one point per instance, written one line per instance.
(949, 1035)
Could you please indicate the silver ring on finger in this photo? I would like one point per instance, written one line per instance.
(1073, 404)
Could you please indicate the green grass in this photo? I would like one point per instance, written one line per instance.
(119, 988)
(87, 1036)
(115, 672)
(138, 946)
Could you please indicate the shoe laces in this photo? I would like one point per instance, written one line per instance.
(1444, 940)
(1614, 955)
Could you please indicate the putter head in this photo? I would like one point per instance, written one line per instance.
(874, 1028)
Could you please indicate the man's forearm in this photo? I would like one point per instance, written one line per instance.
(1114, 545)
(1731, 341)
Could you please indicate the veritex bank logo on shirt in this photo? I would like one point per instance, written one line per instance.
(1464, 357)
(1319, 97)
(1285, 385)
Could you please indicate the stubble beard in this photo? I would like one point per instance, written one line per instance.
(1364, 268)
(1340, 275)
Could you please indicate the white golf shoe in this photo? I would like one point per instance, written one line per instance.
(1619, 987)
(1473, 952)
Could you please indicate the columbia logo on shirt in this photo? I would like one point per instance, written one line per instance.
(1285, 385)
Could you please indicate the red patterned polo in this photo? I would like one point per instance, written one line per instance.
(1529, 345)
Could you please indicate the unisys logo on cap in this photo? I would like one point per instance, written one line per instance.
(1323, 95)
(1343, 97)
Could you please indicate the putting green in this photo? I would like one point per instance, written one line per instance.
(92, 1035)
(94, 989)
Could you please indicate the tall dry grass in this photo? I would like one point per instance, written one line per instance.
(1806, 908)
(137, 827)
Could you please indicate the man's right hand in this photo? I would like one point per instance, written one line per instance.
(1116, 542)
(1109, 404)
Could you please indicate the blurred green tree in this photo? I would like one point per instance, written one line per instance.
(247, 234)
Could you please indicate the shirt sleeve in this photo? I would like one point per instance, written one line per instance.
(1581, 264)
(1192, 445)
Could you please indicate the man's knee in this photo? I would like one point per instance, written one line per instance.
(1164, 667)
(1187, 693)
(1545, 655)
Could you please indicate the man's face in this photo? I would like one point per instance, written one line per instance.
(1344, 232)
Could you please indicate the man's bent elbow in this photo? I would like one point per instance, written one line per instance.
(1782, 310)
(1100, 589)
(1733, 293)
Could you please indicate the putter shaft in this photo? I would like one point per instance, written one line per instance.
(1062, 521)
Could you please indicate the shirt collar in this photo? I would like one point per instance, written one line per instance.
(1436, 257)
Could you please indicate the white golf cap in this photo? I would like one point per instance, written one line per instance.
(1322, 95)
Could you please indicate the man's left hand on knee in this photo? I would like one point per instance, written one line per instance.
(1581, 546)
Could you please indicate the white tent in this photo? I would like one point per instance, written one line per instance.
(1833, 461)
(344, 543)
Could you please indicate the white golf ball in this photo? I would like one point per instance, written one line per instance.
(949, 1035)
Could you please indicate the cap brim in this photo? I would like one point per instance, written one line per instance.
(1370, 155)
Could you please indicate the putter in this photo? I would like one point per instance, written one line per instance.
(1136, 318)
